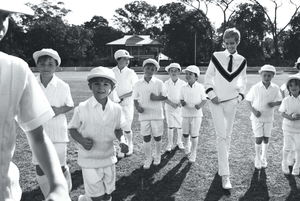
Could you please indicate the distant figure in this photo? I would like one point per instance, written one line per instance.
(261, 100)
(225, 84)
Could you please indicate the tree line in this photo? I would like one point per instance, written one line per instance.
(183, 28)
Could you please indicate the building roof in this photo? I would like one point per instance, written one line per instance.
(134, 40)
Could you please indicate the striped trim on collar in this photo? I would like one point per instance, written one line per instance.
(224, 73)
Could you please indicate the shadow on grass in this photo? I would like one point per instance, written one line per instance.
(258, 189)
(140, 184)
(295, 191)
(215, 191)
(35, 194)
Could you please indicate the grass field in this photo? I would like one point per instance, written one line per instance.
(175, 179)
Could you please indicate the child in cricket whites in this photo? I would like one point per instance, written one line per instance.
(172, 105)
(261, 100)
(96, 123)
(22, 100)
(193, 98)
(148, 95)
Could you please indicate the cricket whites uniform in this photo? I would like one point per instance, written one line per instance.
(227, 86)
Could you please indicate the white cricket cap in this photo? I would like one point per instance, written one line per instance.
(268, 67)
(193, 69)
(122, 53)
(297, 77)
(173, 65)
(102, 72)
(50, 52)
(151, 61)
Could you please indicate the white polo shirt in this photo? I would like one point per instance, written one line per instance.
(58, 94)
(126, 80)
(173, 91)
(259, 97)
(290, 105)
(92, 121)
(153, 110)
(23, 100)
(192, 96)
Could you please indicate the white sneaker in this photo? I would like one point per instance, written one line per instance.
(226, 182)
(257, 163)
(180, 145)
(264, 162)
(157, 160)
(192, 158)
(295, 171)
(285, 168)
(147, 164)
(121, 154)
(169, 148)
(130, 151)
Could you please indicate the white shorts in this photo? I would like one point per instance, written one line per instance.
(290, 139)
(61, 150)
(98, 181)
(191, 125)
(152, 127)
(174, 120)
(262, 129)
(128, 112)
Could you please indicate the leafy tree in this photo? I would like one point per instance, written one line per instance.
(136, 18)
(250, 20)
(181, 31)
(275, 31)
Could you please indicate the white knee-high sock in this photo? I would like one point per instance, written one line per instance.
(264, 150)
(44, 184)
(285, 154)
(129, 138)
(147, 149)
(170, 136)
(179, 135)
(297, 157)
(158, 147)
(67, 175)
(194, 145)
(257, 150)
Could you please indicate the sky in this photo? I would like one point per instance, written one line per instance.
(84, 10)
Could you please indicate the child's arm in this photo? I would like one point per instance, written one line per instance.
(154, 97)
(87, 143)
(200, 105)
(255, 112)
(138, 107)
(47, 158)
(174, 105)
(289, 117)
(61, 110)
(183, 103)
(126, 95)
(123, 145)
(273, 104)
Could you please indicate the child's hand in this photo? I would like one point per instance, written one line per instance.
(183, 103)
(295, 116)
(271, 104)
(174, 105)
(215, 100)
(153, 96)
(124, 147)
(139, 109)
(87, 143)
(257, 114)
(197, 106)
